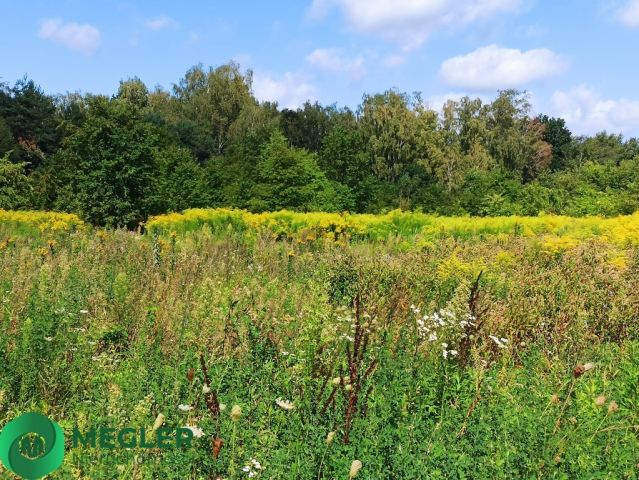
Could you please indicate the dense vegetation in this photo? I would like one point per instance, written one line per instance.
(209, 143)
(480, 355)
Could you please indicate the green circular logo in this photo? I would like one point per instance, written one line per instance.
(32, 446)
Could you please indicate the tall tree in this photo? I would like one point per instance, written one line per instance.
(135, 92)
(105, 171)
(400, 131)
(181, 182)
(31, 117)
(15, 185)
(214, 98)
(289, 178)
(307, 127)
(516, 140)
(557, 134)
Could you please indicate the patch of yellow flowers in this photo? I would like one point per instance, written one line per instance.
(556, 233)
(50, 222)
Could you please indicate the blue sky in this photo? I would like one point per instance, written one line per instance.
(577, 58)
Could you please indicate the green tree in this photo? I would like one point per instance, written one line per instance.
(6, 138)
(105, 171)
(135, 92)
(559, 137)
(214, 98)
(400, 131)
(289, 178)
(15, 186)
(31, 117)
(344, 160)
(307, 127)
(517, 141)
(181, 182)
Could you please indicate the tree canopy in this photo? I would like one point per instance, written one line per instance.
(208, 142)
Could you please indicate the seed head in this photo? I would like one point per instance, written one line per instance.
(613, 407)
(217, 446)
(236, 413)
(356, 466)
(159, 421)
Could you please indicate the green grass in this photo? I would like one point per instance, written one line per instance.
(109, 328)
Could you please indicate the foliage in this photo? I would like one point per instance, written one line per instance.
(15, 186)
(289, 177)
(299, 360)
(208, 142)
(107, 166)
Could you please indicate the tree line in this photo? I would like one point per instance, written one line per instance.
(208, 142)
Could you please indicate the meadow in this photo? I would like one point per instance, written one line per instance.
(328, 346)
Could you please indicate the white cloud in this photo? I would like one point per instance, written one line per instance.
(85, 38)
(493, 67)
(629, 14)
(289, 91)
(587, 113)
(163, 22)
(333, 60)
(410, 22)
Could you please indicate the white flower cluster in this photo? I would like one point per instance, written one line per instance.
(500, 342)
(445, 327)
(442, 326)
(253, 468)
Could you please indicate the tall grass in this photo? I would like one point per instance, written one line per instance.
(422, 367)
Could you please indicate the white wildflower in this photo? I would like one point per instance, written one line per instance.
(284, 404)
(185, 408)
(499, 342)
(197, 431)
(252, 468)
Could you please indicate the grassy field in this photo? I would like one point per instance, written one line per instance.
(294, 345)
